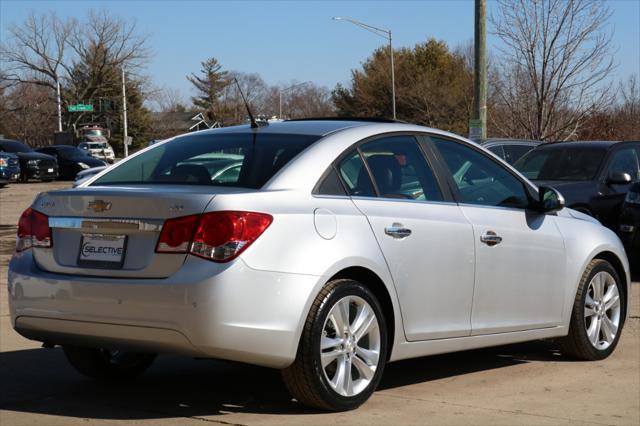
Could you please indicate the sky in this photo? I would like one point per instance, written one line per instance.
(285, 41)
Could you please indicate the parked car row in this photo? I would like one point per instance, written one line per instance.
(19, 162)
(33, 165)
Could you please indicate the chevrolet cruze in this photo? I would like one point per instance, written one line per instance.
(329, 249)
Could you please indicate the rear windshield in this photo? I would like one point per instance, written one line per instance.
(224, 159)
(571, 164)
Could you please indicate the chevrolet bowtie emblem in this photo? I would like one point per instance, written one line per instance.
(99, 206)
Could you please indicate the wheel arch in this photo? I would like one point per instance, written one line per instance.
(373, 282)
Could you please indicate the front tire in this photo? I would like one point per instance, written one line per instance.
(342, 350)
(107, 364)
(598, 314)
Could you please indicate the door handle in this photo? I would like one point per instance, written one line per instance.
(491, 238)
(397, 231)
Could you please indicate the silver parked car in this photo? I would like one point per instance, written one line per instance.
(334, 248)
(84, 175)
(510, 150)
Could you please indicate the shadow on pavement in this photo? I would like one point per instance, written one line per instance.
(41, 381)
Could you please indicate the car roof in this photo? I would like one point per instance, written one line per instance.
(605, 145)
(507, 141)
(306, 127)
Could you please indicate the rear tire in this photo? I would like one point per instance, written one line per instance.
(598, 314)
(107, 364)
(342, 350)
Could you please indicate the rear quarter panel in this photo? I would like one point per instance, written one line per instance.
(293, 242)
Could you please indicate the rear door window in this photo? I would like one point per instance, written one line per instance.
(355, 176)
(224, 159)
(400, 169)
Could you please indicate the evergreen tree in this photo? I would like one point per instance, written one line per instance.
(209, 86)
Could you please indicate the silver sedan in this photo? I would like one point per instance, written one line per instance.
(323, 248)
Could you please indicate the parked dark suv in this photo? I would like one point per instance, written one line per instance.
(33, 165)
(593, 177)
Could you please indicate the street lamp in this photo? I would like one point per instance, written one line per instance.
(384, 34)
(287, 89)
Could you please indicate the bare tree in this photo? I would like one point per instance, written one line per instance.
(27, 113)
(555, 62)
(627, 112)
(37, 51)
(232, 109)
(102, 47)
(309, 101)
(85, 58)
(168, 99)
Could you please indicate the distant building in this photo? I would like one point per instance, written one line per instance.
(168, 124)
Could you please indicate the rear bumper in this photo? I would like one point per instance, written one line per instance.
(209, 310)
(42, 173)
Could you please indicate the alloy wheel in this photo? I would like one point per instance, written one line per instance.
(350, 346)
(602, 310)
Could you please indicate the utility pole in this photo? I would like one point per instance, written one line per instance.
(124, 116)
(478, 124)
(393, 79)
(59, 107)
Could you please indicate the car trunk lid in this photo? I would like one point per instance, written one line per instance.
(91, 226)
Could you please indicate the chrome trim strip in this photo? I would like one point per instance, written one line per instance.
(106, 223)
(404, 200)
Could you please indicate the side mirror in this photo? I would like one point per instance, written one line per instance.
(619, 178)
(549, 199)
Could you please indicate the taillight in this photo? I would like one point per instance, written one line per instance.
(177, 234)
(218, 236)
(33, 230)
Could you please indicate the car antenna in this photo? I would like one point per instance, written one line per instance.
(254, 124)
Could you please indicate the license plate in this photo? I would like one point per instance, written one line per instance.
(50, 170)
(102, 250)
